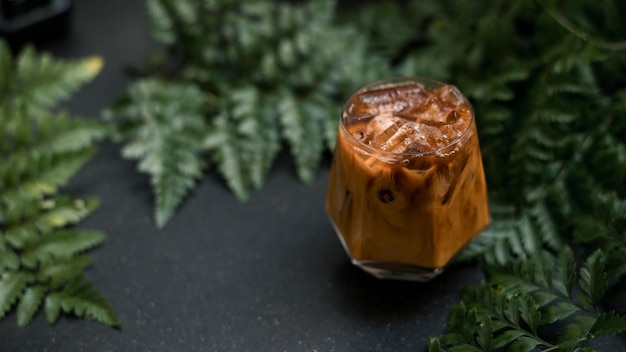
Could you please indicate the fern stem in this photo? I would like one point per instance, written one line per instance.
(581, 34)
(530, 334)
(577, 157)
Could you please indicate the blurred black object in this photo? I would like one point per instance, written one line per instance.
(24, 21)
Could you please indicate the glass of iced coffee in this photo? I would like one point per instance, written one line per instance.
(407, 189)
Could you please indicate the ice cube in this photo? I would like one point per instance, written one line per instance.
(398, 136)
(433, 136)
(381, 128)
(377, 102)
(380, 123)
(418, 147)
(447, 97)
(441, 106)
(360, 108)
(400, 141)
(459, 115)
(451, 132)
(412, 93)
(388, 99)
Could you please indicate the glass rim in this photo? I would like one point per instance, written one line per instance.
(398, 80)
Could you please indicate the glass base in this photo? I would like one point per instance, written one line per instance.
(390, 270)
(397, 271)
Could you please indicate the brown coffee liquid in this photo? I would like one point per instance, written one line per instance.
(407, 183)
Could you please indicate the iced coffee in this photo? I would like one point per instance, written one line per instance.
(407, 189)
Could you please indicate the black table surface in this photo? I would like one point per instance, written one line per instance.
(222, 275)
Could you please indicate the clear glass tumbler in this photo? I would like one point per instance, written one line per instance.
(406, 189)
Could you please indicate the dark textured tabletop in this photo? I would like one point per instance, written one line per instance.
(266, 275)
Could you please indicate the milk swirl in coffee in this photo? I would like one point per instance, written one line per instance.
(407, 189)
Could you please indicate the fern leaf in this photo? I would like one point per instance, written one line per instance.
(593, 280)
(434, 345)
(45, 81)
(270, 72)
(52, 307)
(257, 134)
(12, 284)
(515, 236)
(228, 159)
(53, 213)
(6, 68)
(576, 332)
(64, 134)
(37, 175)
(60, 244)
(18, 235)
(565, 273)
(493, 320)
(58, 271)
(65, 211)
(9, 260)
(164, 123)
(559, 312)
(40, 151)
(160, 23)
(244, 141)
(302, 128)
(525, 296)
(609, 323)
(80, 299)
(29, 304)
(171, 187)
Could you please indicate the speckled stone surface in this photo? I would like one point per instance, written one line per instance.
(267, 275)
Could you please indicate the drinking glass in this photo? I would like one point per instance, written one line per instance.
(404, 206)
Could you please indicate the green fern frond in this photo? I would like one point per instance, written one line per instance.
(593, 280)
(268, 72)
(515, 235)
(41, 81)
(29, 304)
(57, 272)
(63, 243)
(508, 313)
(9, 260)
(164, 124)
(30, 177)
(244, 141)
(12, 286)
(605, 231)
(302, 128)
(609, 323)
(80, 299)
(40, 151)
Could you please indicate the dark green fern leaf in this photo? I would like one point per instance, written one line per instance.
(9, 260)
(40, 150)
(547, 110)
(269, 72)
(593, 280)
(80, 299)
(57, 272)
(513, 235)
(12, 285)
(29, 304)
(609, 323)
(508, 313)
(60, 244)
(41, 81)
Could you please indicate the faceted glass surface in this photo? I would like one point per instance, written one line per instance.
(407, 189)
